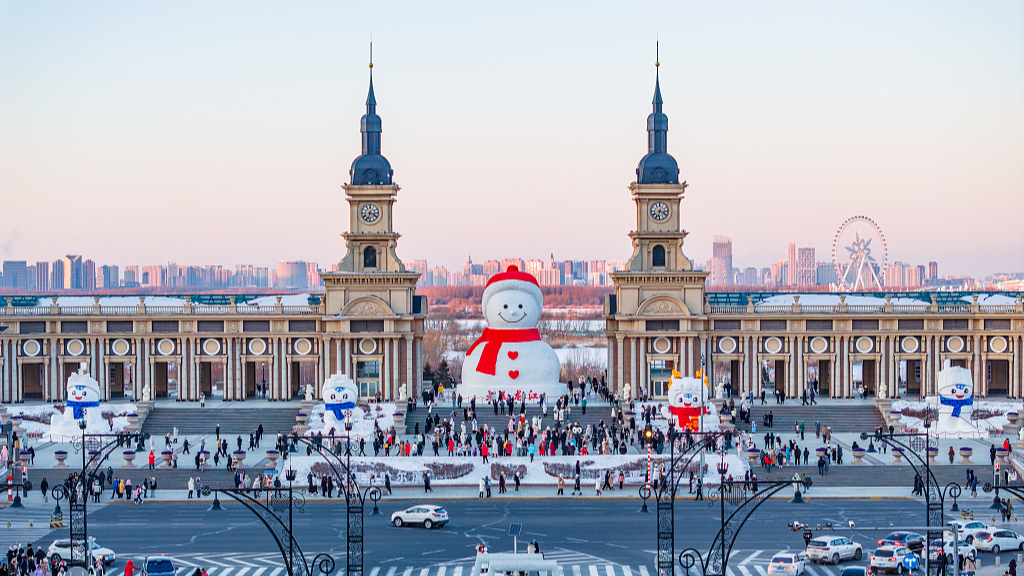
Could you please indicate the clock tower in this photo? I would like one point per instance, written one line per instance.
(374, 323)
(655, 317)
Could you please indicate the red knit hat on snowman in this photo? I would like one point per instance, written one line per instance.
(513, 279)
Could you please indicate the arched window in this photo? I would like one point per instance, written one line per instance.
(658, 256)
(370, 257)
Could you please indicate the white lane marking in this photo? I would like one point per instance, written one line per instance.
(225, 571)
(425, 572)
(751, 557)
(408, 571)
(743, 570)
(440, 571)
(827, 570)
(626, 571)
(760, 569)
(575, 570)
(458, 571)
(392, 570)
(375, 571)
(243, 570)
(259, 571)
(276, 571)
(643, 571)
(811, 569)
(593, 570)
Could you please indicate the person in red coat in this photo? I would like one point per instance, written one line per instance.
(152, 459)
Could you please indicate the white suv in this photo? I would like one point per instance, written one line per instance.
(969, 530)
(890, 558)
(833, 549)
(426, 514)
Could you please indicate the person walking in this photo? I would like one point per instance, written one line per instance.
(597, 485)
(561, 485)
(700, 489)
(387, 483)
(426, 482)
(501, 483)
(622, 478)
(576, 485)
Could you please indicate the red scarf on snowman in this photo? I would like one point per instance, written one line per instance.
(493, 338)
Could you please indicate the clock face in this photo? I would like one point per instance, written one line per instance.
(369, 213)
(659, 211)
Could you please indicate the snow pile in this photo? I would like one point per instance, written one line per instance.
(45, 412)
(363, 418)
(990, 415)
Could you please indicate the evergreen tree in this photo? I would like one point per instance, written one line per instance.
(428, 373)
(443, 377)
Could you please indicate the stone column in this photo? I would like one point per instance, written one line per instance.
(619, 371)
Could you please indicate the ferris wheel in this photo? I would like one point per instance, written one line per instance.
(859, 254)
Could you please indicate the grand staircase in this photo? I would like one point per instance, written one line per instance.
(485, 415)
(840, 417)
(233, 421)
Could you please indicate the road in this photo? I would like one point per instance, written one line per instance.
(579, 533)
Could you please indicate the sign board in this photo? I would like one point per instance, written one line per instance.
(515, 530)
(910, 561)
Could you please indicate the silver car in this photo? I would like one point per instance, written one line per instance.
(426, 514)
(61, 550)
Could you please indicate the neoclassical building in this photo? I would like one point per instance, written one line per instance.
(369, 324)
(660, 319)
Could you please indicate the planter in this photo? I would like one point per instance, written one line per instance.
(965, 454)
(897, 455)
(932, 453)
(400, 421)
(1001, 456)
(166, 456)
(820, 452)
(858, 457)
(133, 419)
(272, 456)
(753, 454)
(302, 418)
(1013, 417)
(129, 458)
(894, 417)
(204, 455)
(61, 456)
(239, 456)
(26, 457)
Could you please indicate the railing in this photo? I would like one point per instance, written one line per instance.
(864, 309)
(820, 309)
(910, 308)
(955, 308)
(773, 309)
(998, 308)
(155, 310)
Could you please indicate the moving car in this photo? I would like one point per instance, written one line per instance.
(788, 563)
(61, 550)
(998, 540)
(968, 530)
(426, 514)
(157, 566)
(833, 549)
(854, 571)
(911, 540)
(890, 558)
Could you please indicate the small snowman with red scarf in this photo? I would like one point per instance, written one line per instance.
(510, 357)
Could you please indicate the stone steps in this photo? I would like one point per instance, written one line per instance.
(853, 418)
(232, 421)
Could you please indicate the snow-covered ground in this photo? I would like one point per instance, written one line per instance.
(98, 426)
(468, 471)
(363, 418)
(992, 424)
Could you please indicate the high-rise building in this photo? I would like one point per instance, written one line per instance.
(42, 276)
(721, 261)
(750, 276)
(291, 275)
(826, 274)
(131, 276)
(109, 277)
(88, 275)
(912, 276)
(933, 270)
(15, 274)
(766, 277)
(30, 276)
(807, 268)
(792, 268)
(71, 272)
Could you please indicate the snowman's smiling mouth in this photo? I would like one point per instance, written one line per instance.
(511, 321)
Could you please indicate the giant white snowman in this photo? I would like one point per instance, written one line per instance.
(83, 393)
(510, 357)
(955, 401)
(688, 406)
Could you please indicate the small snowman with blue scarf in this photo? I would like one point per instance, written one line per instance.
(83, 393)
(956, 400)
(339, 394)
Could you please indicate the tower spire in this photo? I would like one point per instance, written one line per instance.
(657, 167)
(371, 168)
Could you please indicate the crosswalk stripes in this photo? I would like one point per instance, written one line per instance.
(392, 570)
(643, 571)
(593, 570)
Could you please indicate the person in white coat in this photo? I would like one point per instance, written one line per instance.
(481, 488)
(191, 486)
(597, 485)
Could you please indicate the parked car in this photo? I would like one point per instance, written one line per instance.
(157, 566)
(890, 558)
(833, 549)
(998, 540)
(969, 530)
(61, 550)
(788, 563)
(963, 549)
(426, 514)
(911, 540)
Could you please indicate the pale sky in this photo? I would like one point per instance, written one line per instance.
(221, 132)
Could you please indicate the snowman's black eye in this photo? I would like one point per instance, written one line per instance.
(506, 306)
(520, 306)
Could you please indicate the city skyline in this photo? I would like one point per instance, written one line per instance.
(907, 113)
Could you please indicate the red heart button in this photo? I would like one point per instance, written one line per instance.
(513, 374)
(513, 355)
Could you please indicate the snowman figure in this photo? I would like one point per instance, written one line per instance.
(83, 392)
(685, 405)
(956, 400)
(339, 394)
(510, 357)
